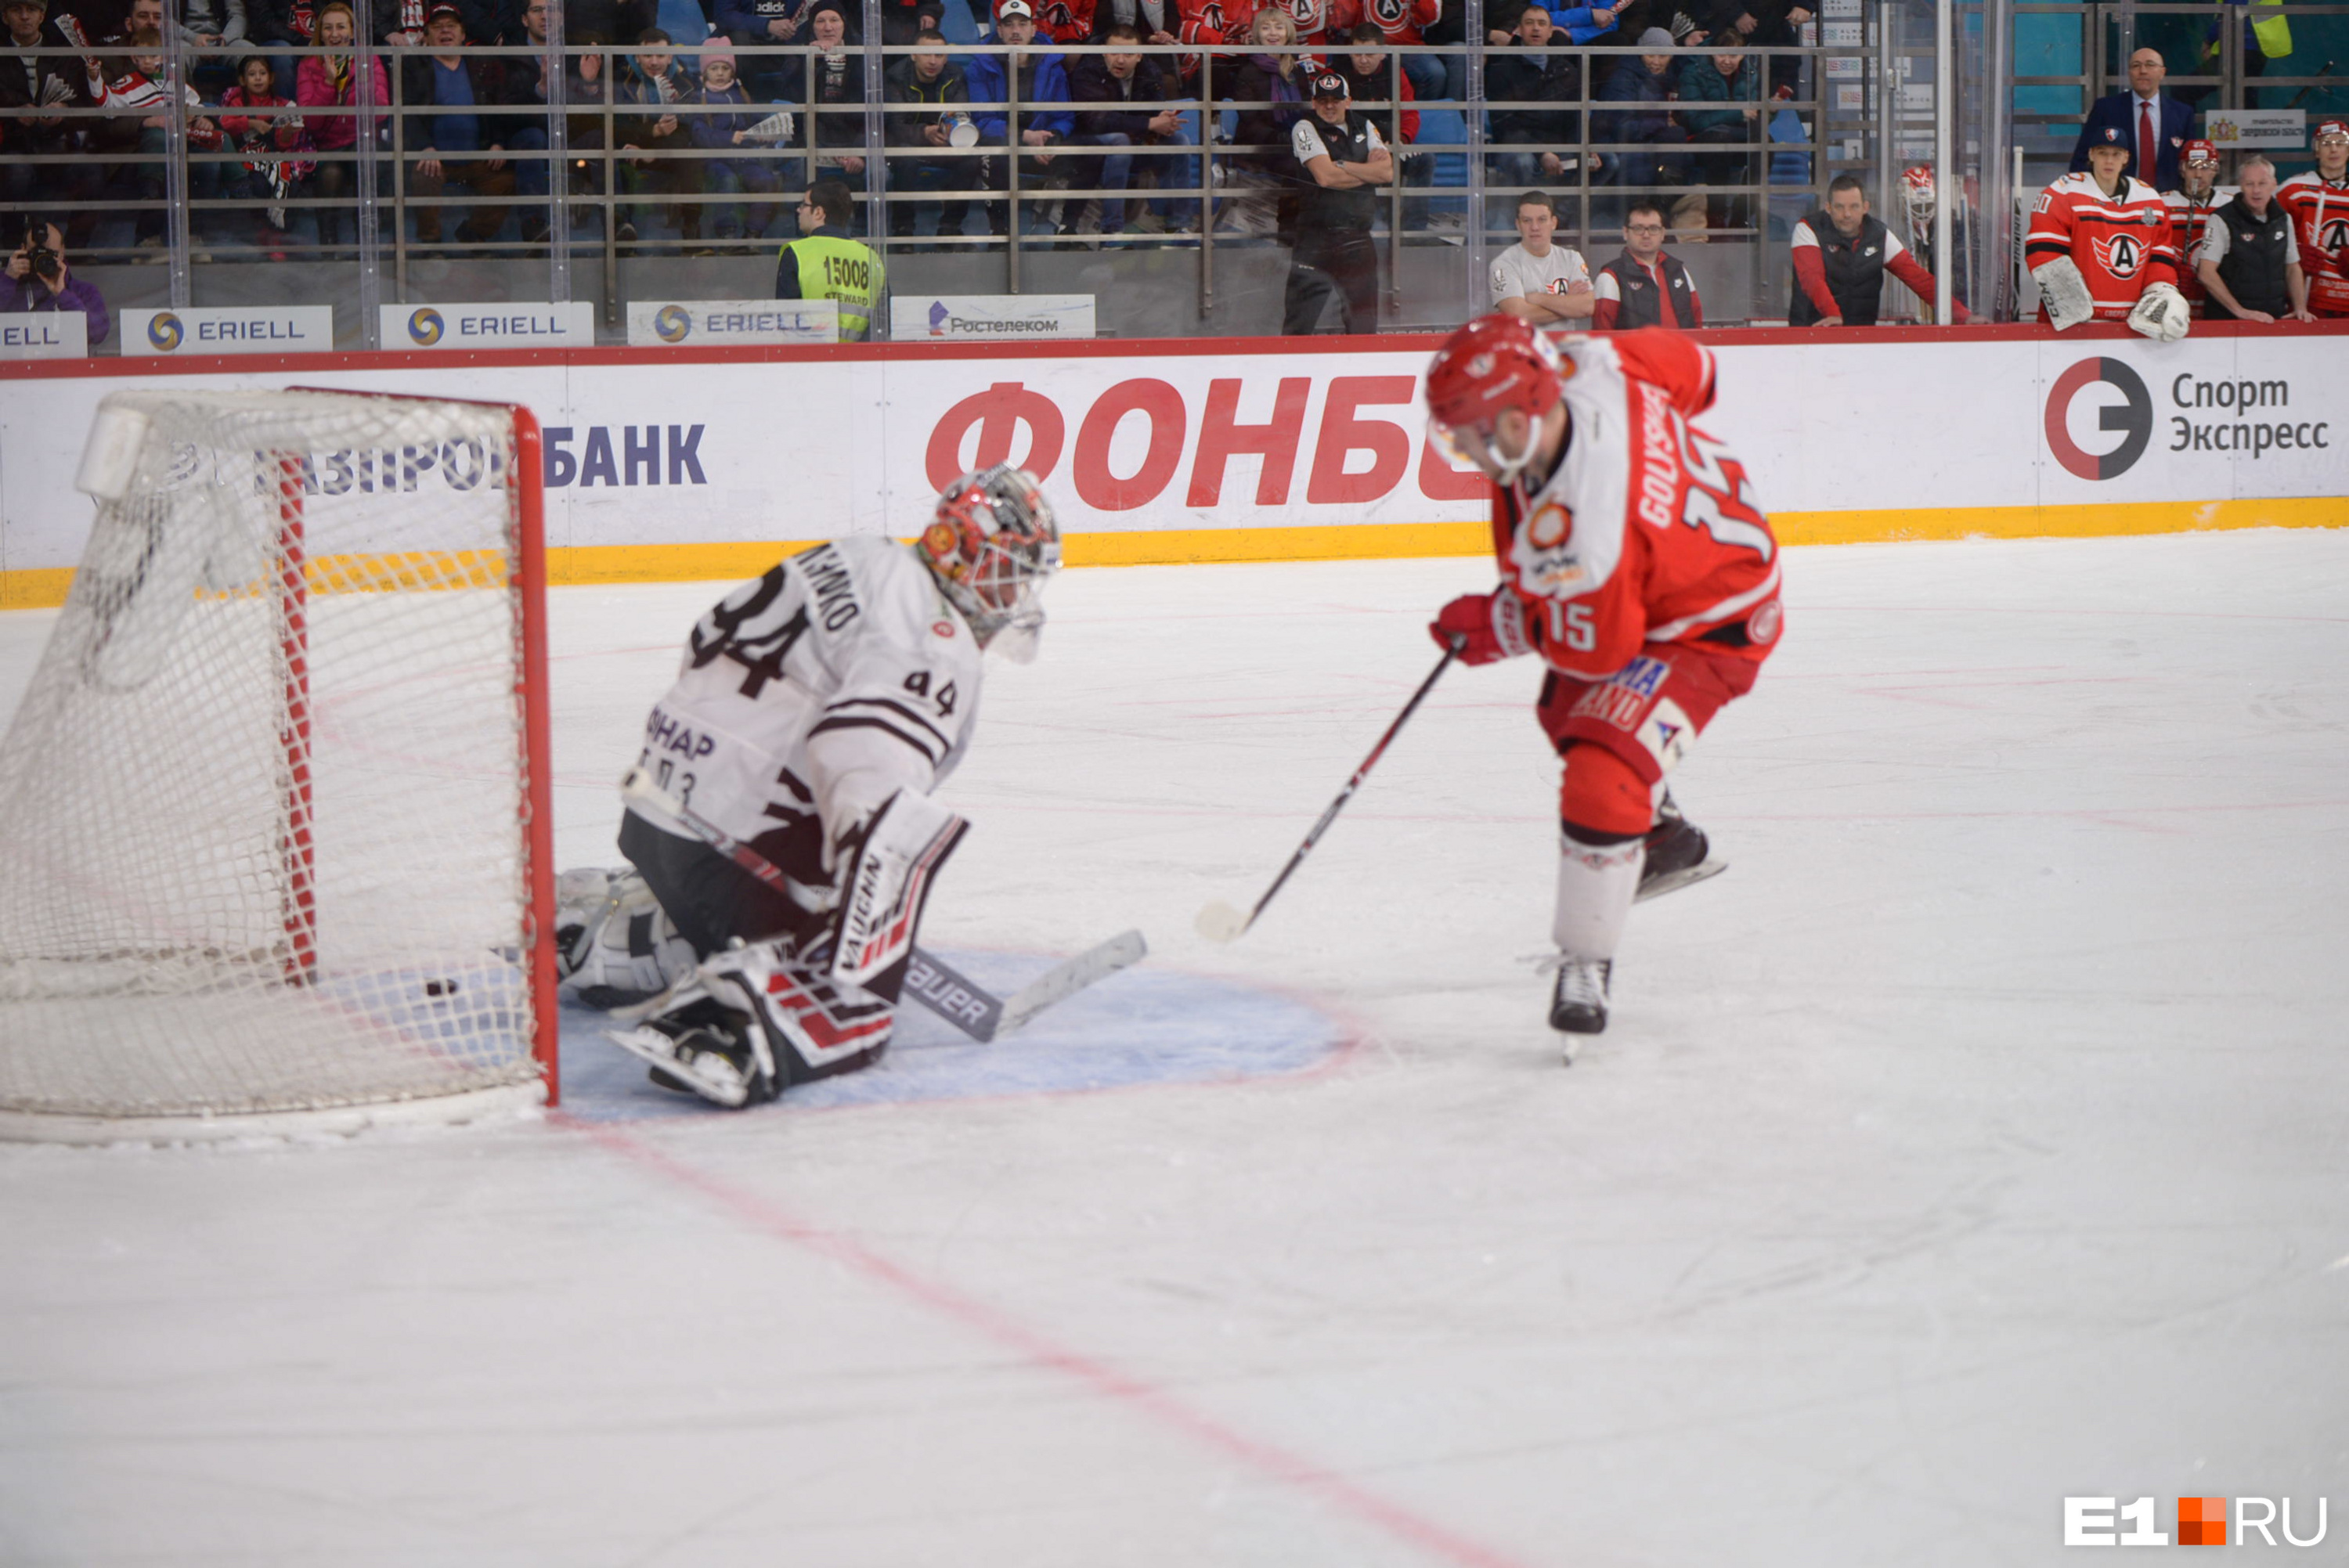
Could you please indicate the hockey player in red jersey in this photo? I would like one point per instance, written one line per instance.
(2099, 249)
(2318, 201)
(1636, 562)
(2199, 195)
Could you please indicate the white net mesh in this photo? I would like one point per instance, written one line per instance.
(263, 842)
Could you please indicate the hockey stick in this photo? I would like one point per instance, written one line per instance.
(1220, 922)
(960, 1001)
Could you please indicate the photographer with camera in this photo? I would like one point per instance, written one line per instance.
(37, 279)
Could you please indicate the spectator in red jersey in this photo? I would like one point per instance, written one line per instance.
(1841, 253)
(137, 92)
(269, 131)
(1644, 286)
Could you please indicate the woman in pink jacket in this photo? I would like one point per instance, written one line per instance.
(330, 81)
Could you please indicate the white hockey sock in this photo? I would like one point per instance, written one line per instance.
(1596, 885)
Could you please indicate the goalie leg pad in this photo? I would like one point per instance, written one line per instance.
(801, 1023)
(2065, 292)
(885, 883)
(615, 945)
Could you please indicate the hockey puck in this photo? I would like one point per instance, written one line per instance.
(441, 988)
(1220, 922)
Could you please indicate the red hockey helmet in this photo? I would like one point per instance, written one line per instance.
(1495, 362)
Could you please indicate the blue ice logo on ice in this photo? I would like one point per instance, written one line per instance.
(165, 331)
(937, 318)
(673, 323)
(425, 327)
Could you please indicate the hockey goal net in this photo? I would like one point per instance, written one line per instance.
(274, 825)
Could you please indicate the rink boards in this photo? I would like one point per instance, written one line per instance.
(668, 465)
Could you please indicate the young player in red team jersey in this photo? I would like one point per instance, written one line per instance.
(2318, 201)
(2100, 248)
(2199, 195)
(1636, 562)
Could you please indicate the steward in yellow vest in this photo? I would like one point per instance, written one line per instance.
(825, 263)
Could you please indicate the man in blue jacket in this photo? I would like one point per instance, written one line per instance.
(1039, 86)
(2152, 126)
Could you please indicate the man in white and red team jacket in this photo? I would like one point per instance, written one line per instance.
(1636, 562)
(2099, 249)
(2318, 201)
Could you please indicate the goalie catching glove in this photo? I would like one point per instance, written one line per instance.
(2161, 314)
(2065, 294)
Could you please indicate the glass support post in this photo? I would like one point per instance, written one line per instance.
(365, 226)
(557, 68)
(1478, 301)
(177, 234)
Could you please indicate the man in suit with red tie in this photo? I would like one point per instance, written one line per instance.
(2155, 127)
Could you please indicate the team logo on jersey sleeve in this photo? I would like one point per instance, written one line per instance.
(2120, 255)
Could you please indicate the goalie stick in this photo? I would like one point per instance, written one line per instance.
(959, 1000)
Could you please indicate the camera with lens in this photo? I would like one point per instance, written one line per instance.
(43, 260)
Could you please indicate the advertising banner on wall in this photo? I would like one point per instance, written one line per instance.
(704, 324)
(230, 329)
(917, 318)
(493, 325)
(1229, 451)
(44, 334)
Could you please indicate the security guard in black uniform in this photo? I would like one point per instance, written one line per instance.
(825, 263)
(1344, 157)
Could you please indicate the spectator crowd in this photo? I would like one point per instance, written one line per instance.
(702, 124)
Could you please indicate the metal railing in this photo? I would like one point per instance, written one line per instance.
(612, 190)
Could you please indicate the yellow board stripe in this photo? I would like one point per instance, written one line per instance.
(40, 587)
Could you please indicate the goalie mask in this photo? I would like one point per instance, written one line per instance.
(1917, 188)
(1495, 363)
(992, 545)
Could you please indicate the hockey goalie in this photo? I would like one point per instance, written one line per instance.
(1637, 565)
(815, 710)
(2100, 250)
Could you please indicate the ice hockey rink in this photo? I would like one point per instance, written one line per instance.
(1982, 1138)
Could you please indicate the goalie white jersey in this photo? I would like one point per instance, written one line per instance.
(810, 696)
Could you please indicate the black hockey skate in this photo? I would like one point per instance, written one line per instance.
(1676, 857)
(1579, 1005)
(701, 1049)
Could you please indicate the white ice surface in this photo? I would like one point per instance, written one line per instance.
(1982, 1137)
